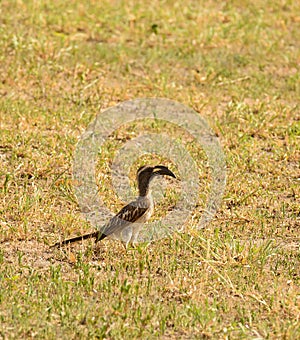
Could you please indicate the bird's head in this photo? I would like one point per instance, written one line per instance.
(149, 172)
(146, 173)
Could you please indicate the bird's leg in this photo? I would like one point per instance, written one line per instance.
(125, 236)
(136, 227)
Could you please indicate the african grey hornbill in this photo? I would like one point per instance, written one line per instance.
(127, 223)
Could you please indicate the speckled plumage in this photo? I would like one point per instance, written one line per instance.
(127, 223)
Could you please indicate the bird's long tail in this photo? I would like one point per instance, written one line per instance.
(96, 234)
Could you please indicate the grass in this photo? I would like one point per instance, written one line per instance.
(237, 64)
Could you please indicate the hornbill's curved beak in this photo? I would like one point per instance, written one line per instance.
(163, 170)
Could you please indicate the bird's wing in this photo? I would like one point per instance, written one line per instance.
(129, 214)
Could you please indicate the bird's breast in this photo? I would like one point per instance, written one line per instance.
(148, 202)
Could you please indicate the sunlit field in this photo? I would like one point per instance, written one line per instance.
(236, 63)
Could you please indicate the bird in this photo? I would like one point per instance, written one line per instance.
(127, 223)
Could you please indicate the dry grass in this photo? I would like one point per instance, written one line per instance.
(237, 64)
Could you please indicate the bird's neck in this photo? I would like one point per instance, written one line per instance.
(146, 201)
(144, 189)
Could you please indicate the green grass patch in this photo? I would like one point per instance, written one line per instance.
(234, 62)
